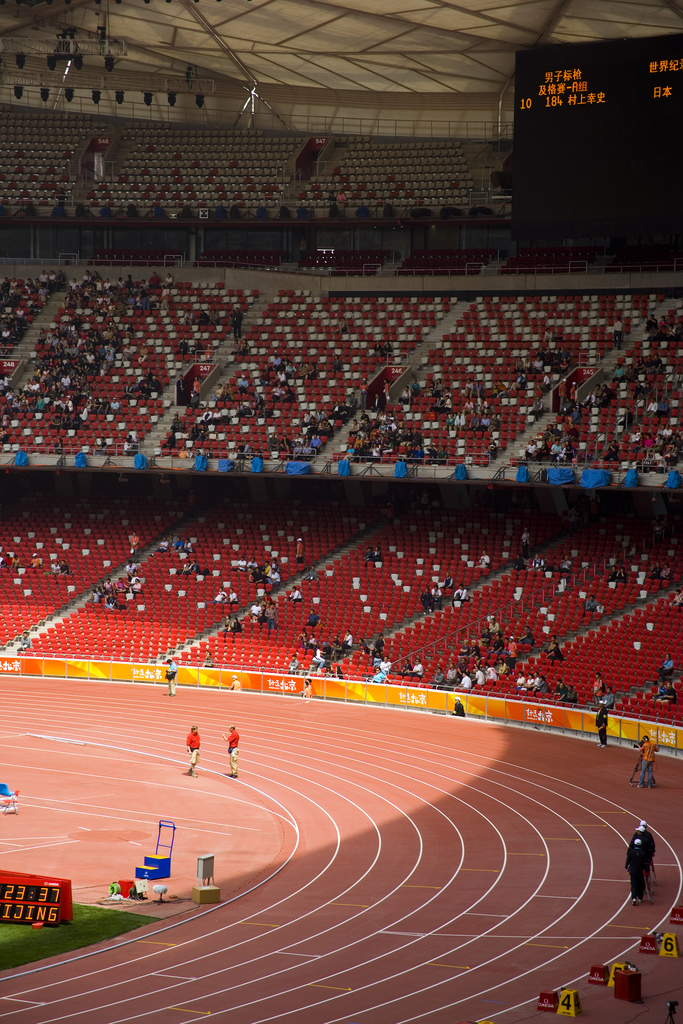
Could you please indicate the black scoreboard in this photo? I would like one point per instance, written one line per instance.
(598, 146)
(30, 904)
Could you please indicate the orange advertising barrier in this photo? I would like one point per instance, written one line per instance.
(476, 705)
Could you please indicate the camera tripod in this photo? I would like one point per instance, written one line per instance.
(671, 1007)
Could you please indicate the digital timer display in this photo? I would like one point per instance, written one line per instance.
(597, 144)
(33, 899)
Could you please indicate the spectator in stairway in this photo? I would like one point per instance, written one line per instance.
(426, 601)
(511, 654)
(271, 615)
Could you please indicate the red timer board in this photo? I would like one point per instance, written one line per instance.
(589, 160)
(34, 899)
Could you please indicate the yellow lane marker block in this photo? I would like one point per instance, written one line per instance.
(257, 924)
(669, 946)
(570, 1004)
(405, 886)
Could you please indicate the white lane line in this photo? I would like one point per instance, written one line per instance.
(43, 846)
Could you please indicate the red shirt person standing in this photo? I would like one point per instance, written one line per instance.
(193, 744)
(233, 741)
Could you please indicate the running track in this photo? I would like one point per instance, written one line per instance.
(410, 868)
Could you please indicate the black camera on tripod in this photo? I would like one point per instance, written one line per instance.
(671, 1006)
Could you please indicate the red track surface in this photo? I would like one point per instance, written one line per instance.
(390, 867)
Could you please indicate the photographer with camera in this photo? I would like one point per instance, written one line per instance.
(648, 749)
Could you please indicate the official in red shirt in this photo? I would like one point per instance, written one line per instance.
(233, 741)
(193, 745)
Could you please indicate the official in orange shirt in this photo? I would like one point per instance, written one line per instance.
(648, 749)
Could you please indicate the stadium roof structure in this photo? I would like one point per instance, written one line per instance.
(298, 60)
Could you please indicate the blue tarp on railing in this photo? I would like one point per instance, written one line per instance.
(560, 476)
(522, 475)
(591, 478)
(297, 468)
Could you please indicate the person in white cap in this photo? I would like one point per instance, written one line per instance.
(636, 865)
(646, 840)
(458, 709)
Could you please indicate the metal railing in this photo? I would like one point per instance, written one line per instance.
(569, 267)
(444, 271)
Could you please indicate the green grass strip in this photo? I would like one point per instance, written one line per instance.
(21, 944)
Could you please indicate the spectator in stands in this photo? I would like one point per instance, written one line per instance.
(295, 597)
(667, 695)
(590, 605)
(415, 671)
(554, 653)
(666, 669)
